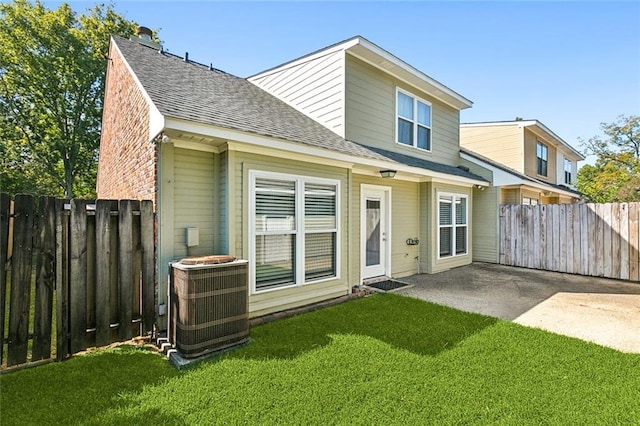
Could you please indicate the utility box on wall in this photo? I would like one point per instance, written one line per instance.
(193, 237)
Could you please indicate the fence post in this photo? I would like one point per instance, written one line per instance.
(5, 208)
(45, 243)
(20, 280)
(62, 281)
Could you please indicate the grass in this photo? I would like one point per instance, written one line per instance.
(380, 360)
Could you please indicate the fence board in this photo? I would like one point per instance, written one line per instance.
(90, 320)
(103, 272)
(45, 278)
(593, 239)
(624, 241)
(634, 241)
(62, 283)
(148, 259)
(78, 276)
(125, 249)
(562, 260)
(20, 280)
(577, 235)
(5, 208)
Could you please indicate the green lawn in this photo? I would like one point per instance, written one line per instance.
(383, 360)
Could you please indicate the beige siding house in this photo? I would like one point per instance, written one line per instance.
(527, 164)
(326, 172)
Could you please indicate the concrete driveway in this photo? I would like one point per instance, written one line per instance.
(603, 311)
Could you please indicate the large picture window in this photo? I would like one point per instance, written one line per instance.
(452, 225)
(294, 230)
(413, 121)
(542, 153)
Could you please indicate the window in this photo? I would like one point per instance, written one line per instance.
(413, 121)
(294, 230)
(567, 171)
(452, 224)
(529, 201)
(542, 153)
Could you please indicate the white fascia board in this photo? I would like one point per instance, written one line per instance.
(156, 119)
(267, 144)
(304, 59)
(528, 123)
(500, 177)
(504, 178)
(414, 72)
(558, 139)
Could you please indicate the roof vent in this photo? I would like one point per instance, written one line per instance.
(464, 168)
(145, 37)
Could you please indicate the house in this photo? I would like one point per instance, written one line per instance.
(526, 163)
(542, 166)
(333, 169)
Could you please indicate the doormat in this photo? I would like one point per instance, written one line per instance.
(387, 285)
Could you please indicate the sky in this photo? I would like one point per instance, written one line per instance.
(572, 65)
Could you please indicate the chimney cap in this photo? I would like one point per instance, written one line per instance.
(144, 32)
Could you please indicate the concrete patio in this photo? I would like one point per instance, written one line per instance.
(603, 311)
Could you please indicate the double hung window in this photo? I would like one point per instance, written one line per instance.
(542, 153)
(294, 229)
(452, 225)
(567, 171)
(413, 121)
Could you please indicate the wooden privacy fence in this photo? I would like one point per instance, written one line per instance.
(588, 239)
(90, 265)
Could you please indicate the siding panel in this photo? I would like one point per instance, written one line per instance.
(371, 117)
(194, 201)
(314, 88)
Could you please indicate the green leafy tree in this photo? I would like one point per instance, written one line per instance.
(52, 72)
(615, 176)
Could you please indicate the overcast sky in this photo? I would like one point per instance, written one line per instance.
(571, 65)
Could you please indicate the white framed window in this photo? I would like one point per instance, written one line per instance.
(567, 171)
(413, 120)
(542, 154)
(452, 225)
(528, 201)
(293, 227)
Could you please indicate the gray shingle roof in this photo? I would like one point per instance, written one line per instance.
(194, 92)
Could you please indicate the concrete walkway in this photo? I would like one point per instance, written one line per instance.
(603, 311)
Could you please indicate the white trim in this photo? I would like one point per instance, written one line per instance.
(364, 187)
(415, 122)
(528, 123)
(453, 225)
(502, 178)
(298, 232)
(314, 153)
(434, 88)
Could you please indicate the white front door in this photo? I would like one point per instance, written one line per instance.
(374, 231)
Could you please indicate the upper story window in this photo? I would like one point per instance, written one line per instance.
(413, 121)
(567, 171)
(542, 153)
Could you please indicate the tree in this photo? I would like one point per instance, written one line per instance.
(615, 177)
(52, 72)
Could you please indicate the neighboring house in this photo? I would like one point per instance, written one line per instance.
(526, 163)
(545, 165)
(361, 180)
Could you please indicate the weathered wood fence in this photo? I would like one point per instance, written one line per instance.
(588, 239)
(93, 279)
